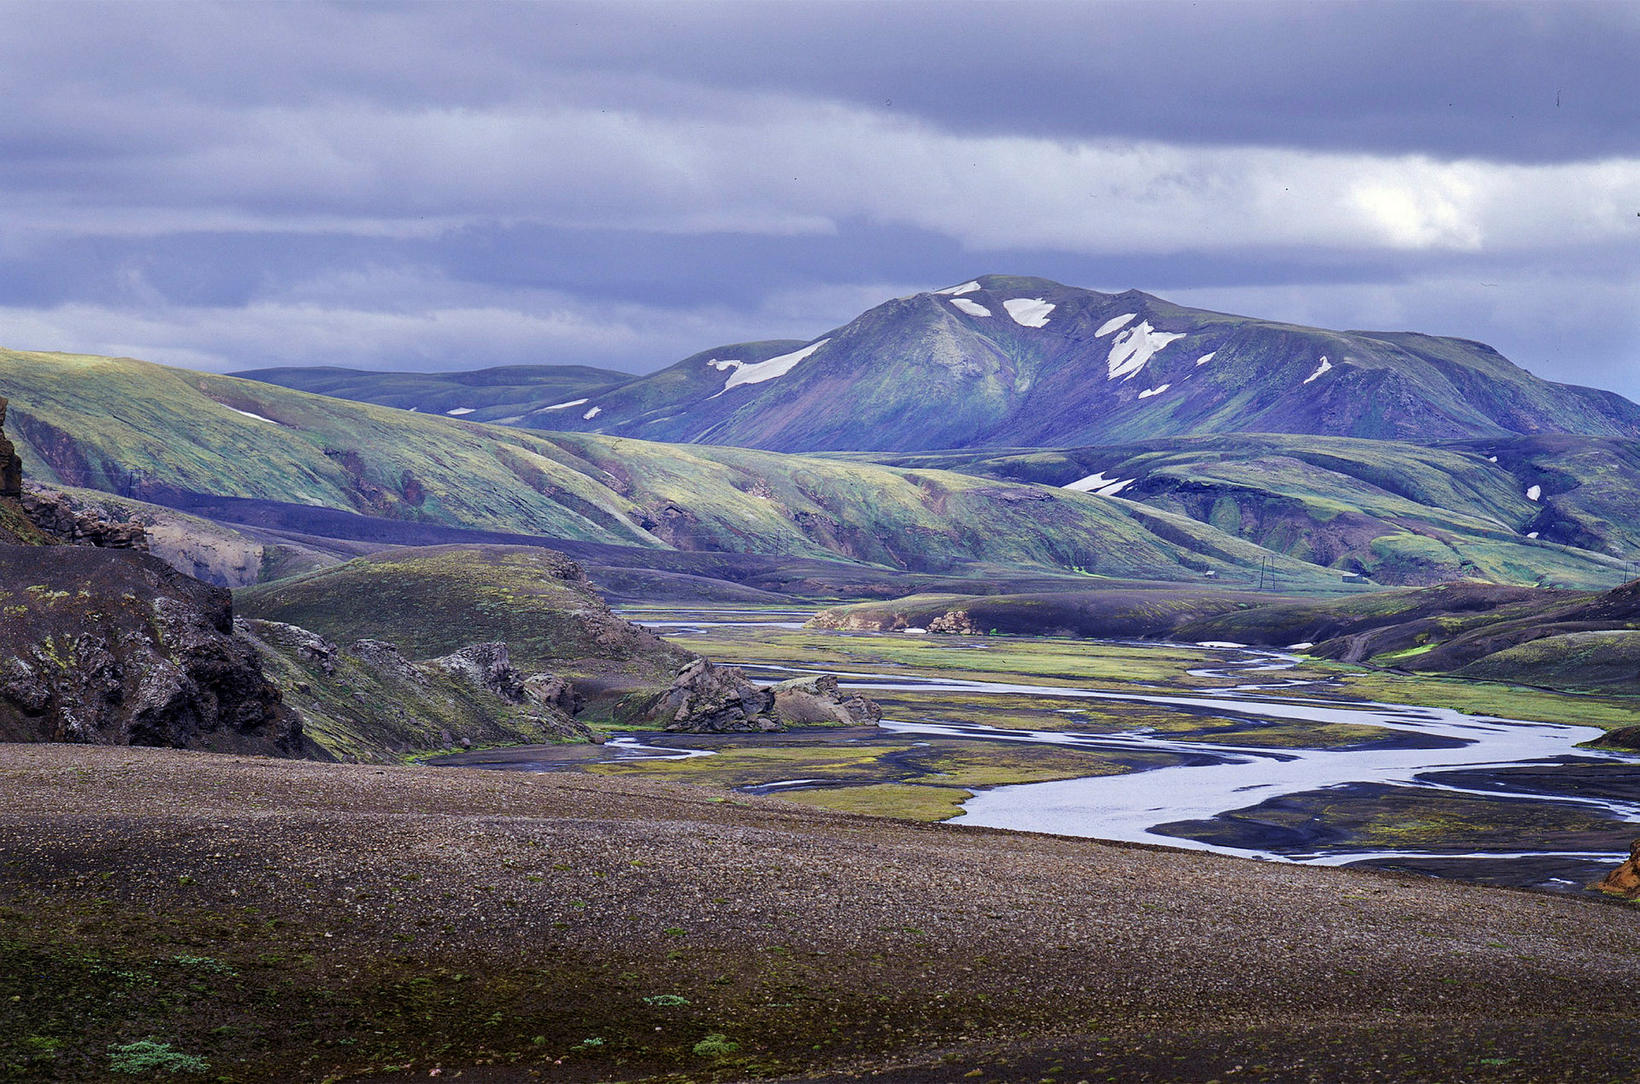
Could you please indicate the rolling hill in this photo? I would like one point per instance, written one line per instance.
(503, 394)
(1004, 361)
(1538, 509)
(169, 436)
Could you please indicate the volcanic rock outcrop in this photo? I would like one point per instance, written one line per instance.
(115, 647)
(710, 699)
(11, 467)
(1624, 881)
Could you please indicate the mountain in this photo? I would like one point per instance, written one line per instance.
(1004, 361)
(504, 394)
(170, 436)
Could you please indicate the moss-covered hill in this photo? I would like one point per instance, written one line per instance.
(435, 600)
(1523, 510)
(156, 433)
(1573, 641)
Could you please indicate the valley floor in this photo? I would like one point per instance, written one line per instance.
(273, 920)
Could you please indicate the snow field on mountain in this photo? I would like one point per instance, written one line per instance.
(1029, 311)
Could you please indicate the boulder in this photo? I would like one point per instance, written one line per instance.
(710, 699)
(957, 622)
(817, 701)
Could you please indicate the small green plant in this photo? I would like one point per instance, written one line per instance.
(202, 963)
(152, 1056)
(675, 931)
(590, 1044)
(666, 1000)
(716, 1045)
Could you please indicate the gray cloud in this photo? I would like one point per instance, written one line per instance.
(449, 185)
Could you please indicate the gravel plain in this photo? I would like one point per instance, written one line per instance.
(386, 923)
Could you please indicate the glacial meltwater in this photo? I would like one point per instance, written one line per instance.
(1430, 790)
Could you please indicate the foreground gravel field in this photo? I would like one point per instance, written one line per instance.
(251, 919)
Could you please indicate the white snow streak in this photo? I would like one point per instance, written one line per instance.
(972, 308)
(758, 372)
(1205, 358)
(456, 412)
(1113, 323)
(958, 291)
(1029, 311)
(1320, 370)
(248, 414)
(1099, 485)
(1534, 493)
(1148, 392)
(1134, 348)
(563, 406)
(1531, 534)
(591, 414)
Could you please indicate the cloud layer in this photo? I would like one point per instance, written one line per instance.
(443, 186)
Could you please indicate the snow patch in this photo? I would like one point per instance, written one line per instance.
(563, 406)
(1099, 485)
(972, 308)
(456, 412)
(758, 372)
(1534, 493)
(1531, 534)
(958, 291)
(915, 631)
(1302, 646)
(1218, 643)
(1320, 370)
(591, 414)
(1133, 349)
(1148, 392)
(1205, 358)
(258, 417)
(1029, 311)
(1113, 324)
(1491, 459)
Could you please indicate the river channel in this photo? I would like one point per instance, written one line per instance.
(1422, 789)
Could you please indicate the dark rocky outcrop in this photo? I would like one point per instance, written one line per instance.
(57, 516)
(716, 700)
(1624, 881)
(115, 647)
(11, 467)
(486, 666)
(710, 699)
(368, 701)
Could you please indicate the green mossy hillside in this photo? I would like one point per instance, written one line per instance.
(436, 600)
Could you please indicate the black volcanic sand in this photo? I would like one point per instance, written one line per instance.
(290, 921)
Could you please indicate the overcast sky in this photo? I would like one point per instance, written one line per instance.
(443, 186)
